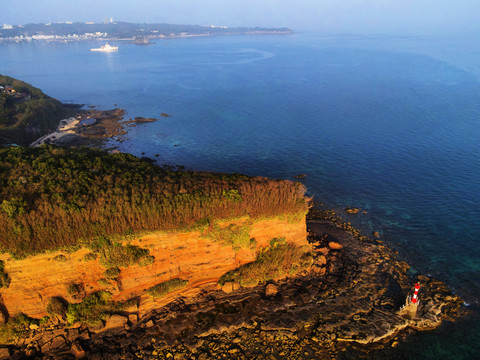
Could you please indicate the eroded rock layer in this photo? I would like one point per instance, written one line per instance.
(188, 255)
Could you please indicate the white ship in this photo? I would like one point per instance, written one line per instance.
(106, 48)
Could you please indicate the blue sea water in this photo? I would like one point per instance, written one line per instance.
(387, 124)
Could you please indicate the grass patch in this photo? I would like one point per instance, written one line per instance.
(112, 273)
(279, 260)
(104, 282)
(60, 258)
(166, 287)
(90, 257)
(235, 235)
(15, 328)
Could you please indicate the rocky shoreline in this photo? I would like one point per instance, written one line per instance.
(351, 297)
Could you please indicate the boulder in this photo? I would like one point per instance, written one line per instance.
(323, 250)
(228, 287)
(334, 245)
(149, 324)
(115, 321)
(133, 318)
(271, 290)
(322, 260)
(78, 351)
(57, 342)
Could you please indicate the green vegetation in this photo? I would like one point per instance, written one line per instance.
(277, 261)
(60, 258)
(94, 308)
(112, 273)
(104, 282)
(4, 278)
(114, 254)
(166, 287)
(75, 290)
(28, 114)
(15, 328)
(237, 236)
(63, 198)
(90, 257)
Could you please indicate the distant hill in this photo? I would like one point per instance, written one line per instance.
(26, 113)
(123, 30)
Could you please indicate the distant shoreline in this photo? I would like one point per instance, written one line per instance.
(70, 32)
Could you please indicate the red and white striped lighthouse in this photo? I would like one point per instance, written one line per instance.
(415, 293)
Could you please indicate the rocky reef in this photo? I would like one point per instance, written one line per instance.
(352, 296)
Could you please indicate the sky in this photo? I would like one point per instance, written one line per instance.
(330, 16)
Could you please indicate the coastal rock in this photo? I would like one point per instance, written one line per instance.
(133, 318)
(352, 210)
(228, 287)
(321, 260)
(115, 321)
(77, 351)
(4, 354)
(140, 119)
(335, 246)
(271, 290)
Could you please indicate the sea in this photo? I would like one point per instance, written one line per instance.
(387, 124)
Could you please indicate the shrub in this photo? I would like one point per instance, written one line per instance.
(60, 258)
(57, 307)
(146, 260)
(104, 282)
(112, 273)
(94, 308)
(74, 290)
(114, 254)
(278, 261)
(90, 257)
(237, 236)
(166, 287)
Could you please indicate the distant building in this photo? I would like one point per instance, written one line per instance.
(7, 27)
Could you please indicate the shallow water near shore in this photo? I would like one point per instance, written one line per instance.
(388, 125)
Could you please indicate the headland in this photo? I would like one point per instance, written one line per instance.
(107, 255)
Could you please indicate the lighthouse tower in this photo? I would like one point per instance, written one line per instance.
(411, 304)
(415, 293)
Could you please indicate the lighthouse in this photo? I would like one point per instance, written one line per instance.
(415, 293)
(409, 310)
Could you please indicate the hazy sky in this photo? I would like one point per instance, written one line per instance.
(352, 16)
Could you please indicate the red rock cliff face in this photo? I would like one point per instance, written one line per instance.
(187, 255)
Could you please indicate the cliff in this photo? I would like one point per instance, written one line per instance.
(187, 255)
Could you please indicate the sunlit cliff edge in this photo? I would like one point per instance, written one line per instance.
(186, 255)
